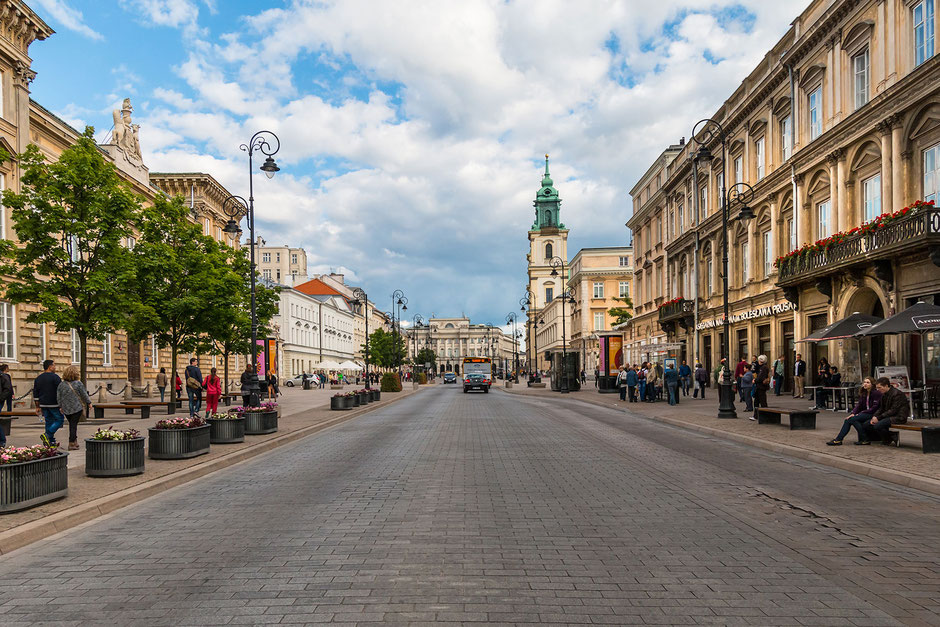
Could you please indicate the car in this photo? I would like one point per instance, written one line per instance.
(476, 382)
(450, 377)
(298, 381)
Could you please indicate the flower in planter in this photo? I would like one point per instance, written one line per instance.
(229, 415)
(114, 434)
(269, 406)
(340, 395)
(180, 423)
(19, 454)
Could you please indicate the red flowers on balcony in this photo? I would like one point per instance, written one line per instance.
(670, 302)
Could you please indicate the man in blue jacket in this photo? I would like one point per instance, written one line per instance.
(685, 378)
(632, 381)
(671, 381)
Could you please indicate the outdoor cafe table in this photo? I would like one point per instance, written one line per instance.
(846, 394)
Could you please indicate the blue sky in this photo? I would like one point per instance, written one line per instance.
(412, 131)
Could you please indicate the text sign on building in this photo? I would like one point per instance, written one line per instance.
(760, 312)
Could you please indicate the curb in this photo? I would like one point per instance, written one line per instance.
(916, 482)
(66, 519)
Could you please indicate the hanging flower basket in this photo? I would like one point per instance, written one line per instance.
(31, 475)
(112, 453)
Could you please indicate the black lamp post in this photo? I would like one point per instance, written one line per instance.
(529, 301)
(417, 322)
(705, 132)
(511, 318)
(567, 296)
(399, 304)
(267, 144)
(363, 299)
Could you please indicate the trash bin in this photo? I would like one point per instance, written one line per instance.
(307, 384)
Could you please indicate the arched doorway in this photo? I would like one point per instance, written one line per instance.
(871, 350)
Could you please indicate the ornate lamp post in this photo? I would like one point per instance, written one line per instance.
(529, 301)
(362, 299)
(511, 318)
(399, 304)
(417, 322)
(705, 132)
(567, 296)
(267, 144)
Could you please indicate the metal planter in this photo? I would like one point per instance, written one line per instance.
(114, 458)
(338, 403)
(260, 422)
(33, 483)
(376, 395)
(364, 398)
(178, 443)
(226, 431)
(354, 400)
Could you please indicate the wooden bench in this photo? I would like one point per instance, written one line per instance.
(799, 418)
(7, 418)
(128, 409)
(149, 404)
(929, 435)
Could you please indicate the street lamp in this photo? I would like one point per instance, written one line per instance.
(511, 317)
(267, 143)
(567, 296)
(705, 132)
(363, 299)
(414, 334)
(528, 301)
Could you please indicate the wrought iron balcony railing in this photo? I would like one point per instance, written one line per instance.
(674, 311)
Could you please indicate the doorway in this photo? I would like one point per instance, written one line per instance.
(817, 350)
(742, 347)
(707, 353)
(789, 351)
(133, 363)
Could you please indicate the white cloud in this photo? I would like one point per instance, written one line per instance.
(68, 17)
(183, 14)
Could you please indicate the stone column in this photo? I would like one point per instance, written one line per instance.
(832, 160)
(887, 184)
(753, 244)
(836, 79)
(840, 220)
(897, 166)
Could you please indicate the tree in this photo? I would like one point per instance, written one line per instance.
(622, 314)
(385, 348)
(426, 355)
(72, 219)
(183, 281)
(230, 324)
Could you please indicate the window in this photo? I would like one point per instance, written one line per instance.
(708, 277)
(2, 90)
(871, 197)
(277, 257)
(218, 234)
(744, 263)
(3, 211)
(785, 143)
(549, 294)
(860, 72)
(206, 227)
(598, 320)
(624, 289)
(768, 253)
(266, 273)
(659, 231)
(680, 215)
(739, 170)
(293, 258)
(131, 242)
(106, 349)
(791, 234)
(598, 290)
(932, 173)
(815, 113)
(822, 219)
(703, 206)
(7, 326)
(76, 348)
(759, 146)
(720, 183)
(649, 288)
(624, 262)
(265, 257)
(278, 275)
(75, 248)
(923, 31)
(549, 252)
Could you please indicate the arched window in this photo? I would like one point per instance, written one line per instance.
(549, 253)
(547, 220)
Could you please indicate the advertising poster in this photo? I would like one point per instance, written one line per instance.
(262, 361)
(614, 355)
(603, 348)
(897, 374)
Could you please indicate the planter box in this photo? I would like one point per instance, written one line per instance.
(226, 431)
(376, 395)
(260, 422)
(33, 483)
(353, 400)
(178, 443)
(364, 399)
(338, 403)
(114, 458)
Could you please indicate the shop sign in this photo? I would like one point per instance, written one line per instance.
(760, 312)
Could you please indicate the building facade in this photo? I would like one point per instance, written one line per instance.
(453, 339)
(315, 324)
(836, 132)
(281, 264)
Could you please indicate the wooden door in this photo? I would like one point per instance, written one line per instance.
(133, 363)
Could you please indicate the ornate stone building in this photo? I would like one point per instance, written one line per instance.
(452, 339)
(837, 126)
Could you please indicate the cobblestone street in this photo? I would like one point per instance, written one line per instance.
(454, 508)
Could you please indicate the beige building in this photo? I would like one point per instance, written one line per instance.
(282, 265)
(838, 125)
(453, 339)
(362, 311)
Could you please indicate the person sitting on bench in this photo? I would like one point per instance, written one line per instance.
(869, 399)
(893, 410)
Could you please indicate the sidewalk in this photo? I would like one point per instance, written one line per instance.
(302, 412)
(907, 465)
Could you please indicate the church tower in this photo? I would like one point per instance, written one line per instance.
(548, 238)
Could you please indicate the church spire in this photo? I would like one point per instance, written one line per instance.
(547, 204)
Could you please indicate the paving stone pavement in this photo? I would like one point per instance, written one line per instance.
(448, 508)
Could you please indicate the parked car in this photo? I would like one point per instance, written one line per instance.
(298, 381)
(476, 381)
(450, 377)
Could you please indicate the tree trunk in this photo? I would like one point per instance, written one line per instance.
(83, 356)
(225, 366)
(173, 397)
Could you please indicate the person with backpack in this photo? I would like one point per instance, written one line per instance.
(193, 386)
(213, 386)
(622, 383)
(641, 381)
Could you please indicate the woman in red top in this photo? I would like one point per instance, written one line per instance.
(213, 386)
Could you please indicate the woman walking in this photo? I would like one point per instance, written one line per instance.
(73, 402)
(213, 385)
(161, 383)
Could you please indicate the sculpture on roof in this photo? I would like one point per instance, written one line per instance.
(126, 135)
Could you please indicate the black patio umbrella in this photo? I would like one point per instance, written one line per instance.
(844, 329)
(919, 318)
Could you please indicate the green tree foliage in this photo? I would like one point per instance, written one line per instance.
(183, 281)
(230, 325)
(621, 314)
(391, 382)
(426, 355)
(385, 349)
(72, 219)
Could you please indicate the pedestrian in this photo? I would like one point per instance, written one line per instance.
(179, 387)
(584, 377)
(779, 370)
(273, 390)
(6, 387)
(823, 377)
(597, 376)
(652, 383)
(47, 403)
(894, 409)
(685, 377)
(869, 399)
(671, 381)
(631, 383)
(641, 381)
(161, 381)
(622, 383)
(213, 386)
(701, 380)
(747, 389)
(761, 383)
(194, 386)
(739, 371)
(73, 402)
(799, 374)
(247, 379)
(717, 374)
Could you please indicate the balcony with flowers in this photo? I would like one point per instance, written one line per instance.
(911, 229)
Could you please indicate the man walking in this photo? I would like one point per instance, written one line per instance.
(779, 370)
(761, 382)
(622, 383)
(194, 386)
(631, 383)
(671, 381)
(6, 388)
(799, 372)
(685, 377)
(45, 387)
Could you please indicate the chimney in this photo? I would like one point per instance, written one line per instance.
(339, 278)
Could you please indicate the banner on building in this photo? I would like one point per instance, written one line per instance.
(267, 356)
(614, 354)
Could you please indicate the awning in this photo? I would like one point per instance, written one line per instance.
(843, 329)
